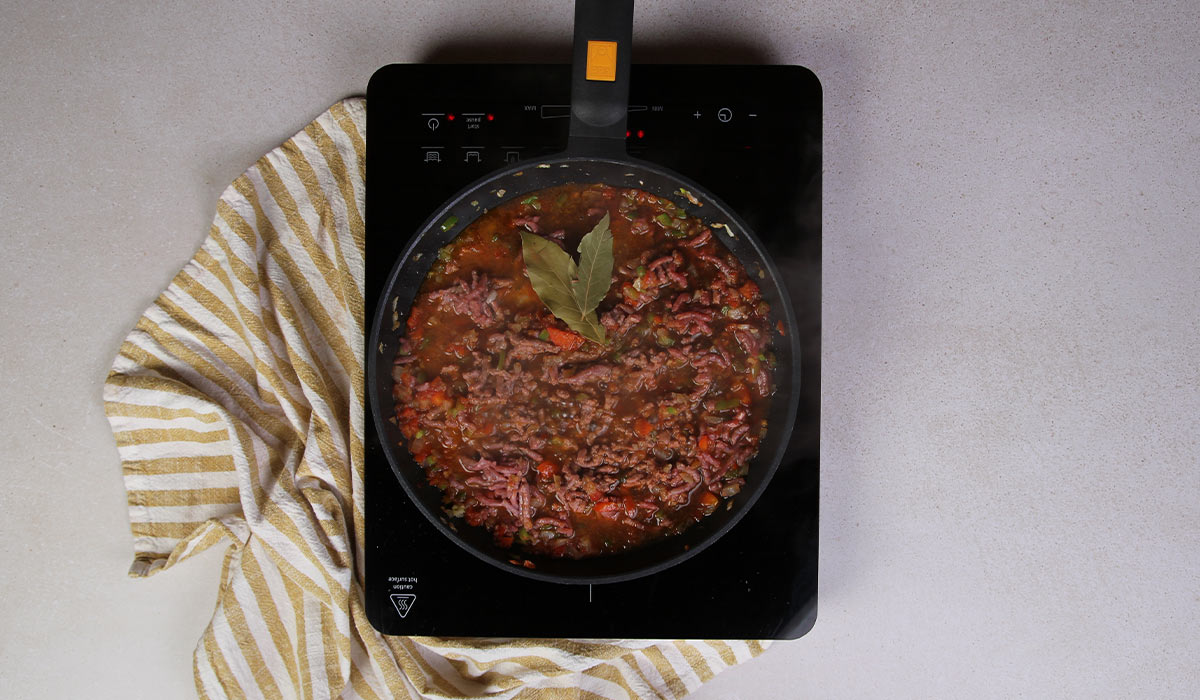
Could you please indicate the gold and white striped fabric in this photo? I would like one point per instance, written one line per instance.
(237, 406)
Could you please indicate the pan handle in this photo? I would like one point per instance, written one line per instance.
(600, 77)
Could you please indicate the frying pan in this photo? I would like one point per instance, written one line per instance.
(595, 154)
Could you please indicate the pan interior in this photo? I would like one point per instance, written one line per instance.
(445, 224)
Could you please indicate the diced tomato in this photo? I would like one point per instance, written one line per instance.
(547, 469)
(504, 541)
(630, 506)
(565, 339)
(416, 318)
(433, 395)
(704, 443)
(643, 427)
(708, 499)
(408, 422)
(749, 291)
(609, 508)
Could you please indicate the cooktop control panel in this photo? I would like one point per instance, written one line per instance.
(474, 136)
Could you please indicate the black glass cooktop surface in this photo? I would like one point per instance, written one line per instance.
(752, 136)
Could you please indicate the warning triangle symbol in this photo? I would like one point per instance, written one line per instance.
(403, 602)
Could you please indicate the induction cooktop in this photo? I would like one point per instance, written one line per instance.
(752, 136)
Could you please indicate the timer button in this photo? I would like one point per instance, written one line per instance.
(724, 114)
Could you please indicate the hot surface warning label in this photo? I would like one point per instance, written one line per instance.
(403, 602)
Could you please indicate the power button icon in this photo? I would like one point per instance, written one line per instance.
(724, 114)
(433, 124)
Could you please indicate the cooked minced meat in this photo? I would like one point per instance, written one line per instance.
(569, 447)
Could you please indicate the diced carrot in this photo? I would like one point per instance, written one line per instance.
(703, 443)
(565, 339)
(749, 291)
(504, 541)
(643, 427)
(708, 499)
(547, 469)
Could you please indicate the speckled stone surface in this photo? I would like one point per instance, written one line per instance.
(1010, 462)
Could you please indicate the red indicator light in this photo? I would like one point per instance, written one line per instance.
(641, 134)
(627, 132)
(491, 117)
(450, 117)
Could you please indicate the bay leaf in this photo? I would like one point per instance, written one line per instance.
(555, 279)
(551, 272)
(589, 327)
(595, 265)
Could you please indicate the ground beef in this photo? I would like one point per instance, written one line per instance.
(569, 447)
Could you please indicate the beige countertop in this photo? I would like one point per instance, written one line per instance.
(1011, 361)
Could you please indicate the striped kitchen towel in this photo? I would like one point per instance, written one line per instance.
(237, 406)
